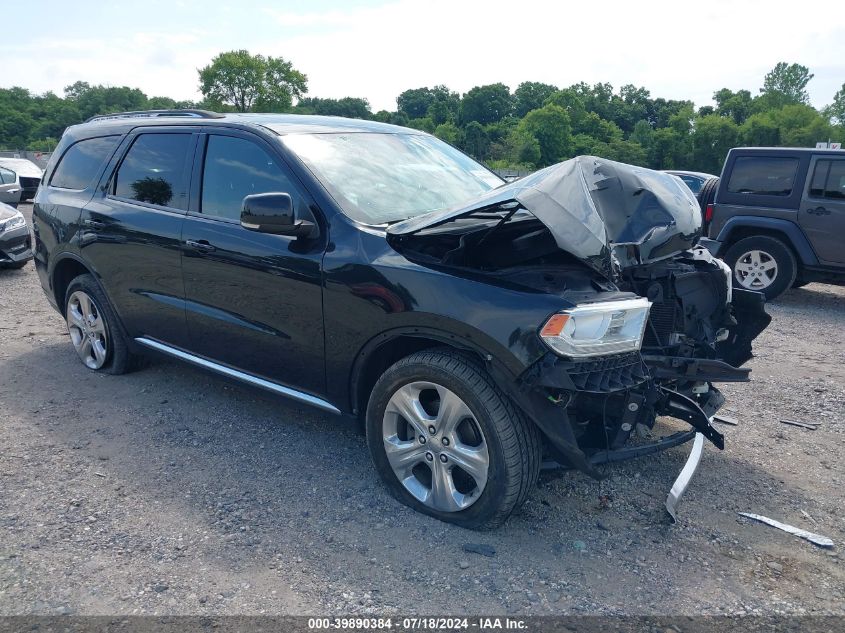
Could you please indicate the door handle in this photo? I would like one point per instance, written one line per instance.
(201, 245)
(818, 211)
(95, 225)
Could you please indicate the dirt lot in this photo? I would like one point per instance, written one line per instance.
(171, 491)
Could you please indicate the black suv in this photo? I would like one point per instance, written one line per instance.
(779, 214)
(370, 270)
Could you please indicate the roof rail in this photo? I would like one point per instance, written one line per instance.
(151, 114)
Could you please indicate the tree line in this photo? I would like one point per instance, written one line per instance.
(535, 125)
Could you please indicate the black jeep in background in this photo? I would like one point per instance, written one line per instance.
(779, 214)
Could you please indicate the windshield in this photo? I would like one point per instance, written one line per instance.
(381, 178)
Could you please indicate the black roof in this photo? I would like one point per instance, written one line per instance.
(277, 123)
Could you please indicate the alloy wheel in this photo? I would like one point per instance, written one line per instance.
(87, 330)
(435, 446)
(756, 270)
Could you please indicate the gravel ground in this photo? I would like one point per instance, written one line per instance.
(170, 491)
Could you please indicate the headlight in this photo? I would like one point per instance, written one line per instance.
(12, 223)
(597, 329)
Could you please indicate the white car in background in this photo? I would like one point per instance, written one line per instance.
(10, 187)
(28, 172)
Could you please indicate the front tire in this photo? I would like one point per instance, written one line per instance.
(449, 443)
(762, 263)
(94, 330)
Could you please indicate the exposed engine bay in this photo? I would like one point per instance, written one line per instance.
(590, 230)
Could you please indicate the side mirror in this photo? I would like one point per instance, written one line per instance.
(274, 213)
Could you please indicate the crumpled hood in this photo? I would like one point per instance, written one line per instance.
(610, 215)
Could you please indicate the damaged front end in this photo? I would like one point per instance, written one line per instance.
(692, 333)
(652, 322)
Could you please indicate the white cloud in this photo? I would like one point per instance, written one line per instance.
(676, 49)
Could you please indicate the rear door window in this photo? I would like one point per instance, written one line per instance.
(763, 175)
(7, 176)
(828, 180)
(154, 171)
(82, 162)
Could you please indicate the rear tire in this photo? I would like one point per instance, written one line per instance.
(762, 263)
(95, 331)
(419, 385)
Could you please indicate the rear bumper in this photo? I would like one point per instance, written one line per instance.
(15, 246)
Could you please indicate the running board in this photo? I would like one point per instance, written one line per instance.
(273, 387)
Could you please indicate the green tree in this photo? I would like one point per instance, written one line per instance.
(622, 151)
(246, 81)
(572, 101)
(416, 103)
(642, 134)
(350, 107)
(423, 123)
(736, 105)
(440, 112)
(786, 84)
(669, 150)
(486, 104)
(761, 130)
(661, 110)
(800, 125)
(712, 138)
(93, 100)
(450, 133)
(531, 95)
(836, 110)
(550, 126)
(476, 140)
(523, 149)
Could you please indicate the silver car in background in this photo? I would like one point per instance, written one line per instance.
(10, 187)
(28, 173)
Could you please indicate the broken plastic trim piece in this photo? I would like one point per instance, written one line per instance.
(725, 419)
(681, 483)
(815, 539)
(680, 406)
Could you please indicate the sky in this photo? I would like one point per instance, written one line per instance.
(375, 49)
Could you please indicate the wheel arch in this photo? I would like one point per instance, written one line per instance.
(740, 227)
(65, 270)
(385, 349)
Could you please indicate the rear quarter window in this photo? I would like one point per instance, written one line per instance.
(828, 180)
(82, 162)
(763, 175)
